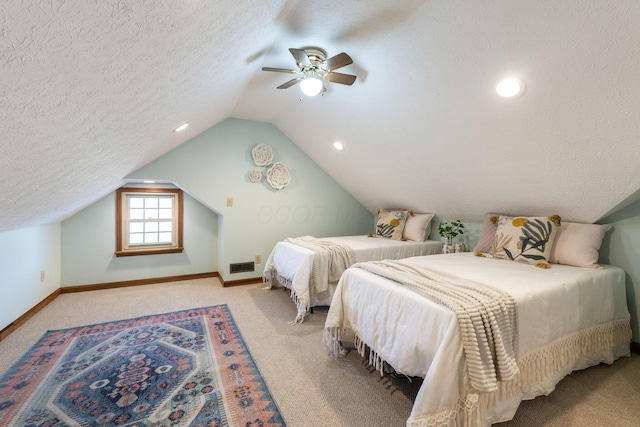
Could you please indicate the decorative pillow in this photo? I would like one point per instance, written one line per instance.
(488, 233)
(526, 240)
(418, 226)
(391, 223)
(578, 244)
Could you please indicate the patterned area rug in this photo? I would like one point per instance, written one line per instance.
(187, 368)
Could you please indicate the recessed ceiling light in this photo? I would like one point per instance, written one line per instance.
(511, 87)
(338, 146)
(149, 181)
(181, 127)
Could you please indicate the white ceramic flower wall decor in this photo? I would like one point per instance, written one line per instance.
(262, 155)
(255, 176)
(278, 176)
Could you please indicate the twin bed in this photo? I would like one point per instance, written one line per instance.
(563, 319)
(291, 263)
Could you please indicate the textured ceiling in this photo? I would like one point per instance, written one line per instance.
(90, 91)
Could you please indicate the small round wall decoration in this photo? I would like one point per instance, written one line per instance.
(278, 176)
(255, 176)
(262, 155)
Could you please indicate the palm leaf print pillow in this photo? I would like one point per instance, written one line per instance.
(391, 224)
(525, 239)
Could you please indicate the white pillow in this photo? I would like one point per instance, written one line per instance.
(418, 226)
(578, 244)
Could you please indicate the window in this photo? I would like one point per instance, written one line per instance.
(148, 221)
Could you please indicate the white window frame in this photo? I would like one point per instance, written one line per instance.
(123, 245)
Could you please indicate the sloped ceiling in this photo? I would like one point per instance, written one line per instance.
(90, 91)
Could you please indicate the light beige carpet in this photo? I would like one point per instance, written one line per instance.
(312, 389)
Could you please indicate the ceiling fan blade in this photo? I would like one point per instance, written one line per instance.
(289, 83)
(300, 56)
(338, 61)
(343, 79)
(280, 70)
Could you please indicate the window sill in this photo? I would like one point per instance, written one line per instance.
(147, 251)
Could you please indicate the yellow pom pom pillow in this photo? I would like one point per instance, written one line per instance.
(525, 239)
(391, 223)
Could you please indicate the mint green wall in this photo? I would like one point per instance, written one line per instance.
(621, 247)
(24, 254)
(215, 165)
(89, 242)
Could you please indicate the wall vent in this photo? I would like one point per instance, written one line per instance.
(242, 267)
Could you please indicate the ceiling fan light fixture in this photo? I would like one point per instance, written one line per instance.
(311, 86)
(314, 68)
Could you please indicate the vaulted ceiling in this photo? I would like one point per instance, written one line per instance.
(91, 90)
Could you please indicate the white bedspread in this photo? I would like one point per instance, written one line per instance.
(292, 263)
(569, 318)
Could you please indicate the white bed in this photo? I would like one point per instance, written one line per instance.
(290, 265)
(568, 318)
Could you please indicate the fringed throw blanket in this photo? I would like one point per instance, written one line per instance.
(486, 315)
(330, 260)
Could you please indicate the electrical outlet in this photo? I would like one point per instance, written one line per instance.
(257, 259)
(229, 201)
(42, 275)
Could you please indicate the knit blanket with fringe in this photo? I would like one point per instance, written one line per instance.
(330, 260)
(487, 317)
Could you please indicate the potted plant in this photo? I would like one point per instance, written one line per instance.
(450, 229)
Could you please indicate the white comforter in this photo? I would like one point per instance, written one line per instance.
(294, 263)
(569, 318)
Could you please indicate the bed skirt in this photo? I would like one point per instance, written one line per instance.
(540, 370)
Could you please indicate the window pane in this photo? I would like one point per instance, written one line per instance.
(165, 237)
(165, 213)
(136, 213)
(150, 227)
(136, 202)
(151, 214)
(136, 227)
(150, 202)
(151, 237)
(135, 239)
(166, 202)
(166, 226)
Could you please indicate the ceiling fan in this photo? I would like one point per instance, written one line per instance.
(315, 68)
